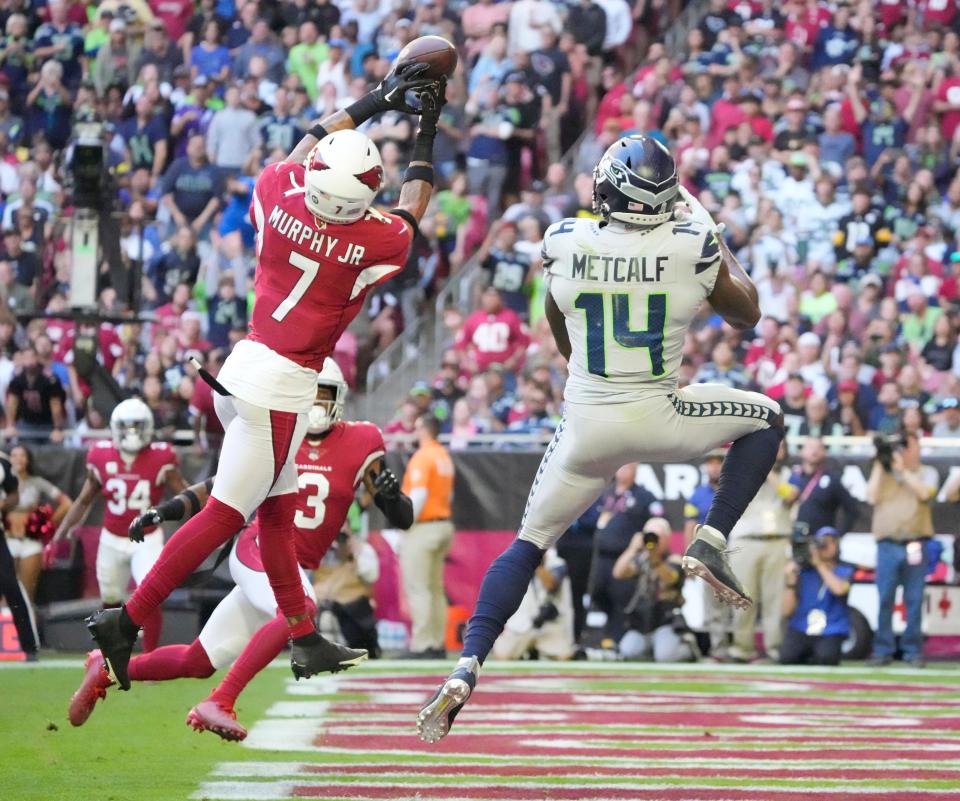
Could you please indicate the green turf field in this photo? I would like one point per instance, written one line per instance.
(575, 732)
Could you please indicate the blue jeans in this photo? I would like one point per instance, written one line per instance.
(893, 570)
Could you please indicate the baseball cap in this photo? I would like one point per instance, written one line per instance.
(848, 386)
(809, 338)
(749, 96)
(337, 43)
(117, 25)
(795, 377)
(515, 77)
(716, 453)
(866, 241)
(949, 403)
(420, 388)
(826, 531)
(797, 104)
(201, 80)
(403, 22)
(871, 279)
(537, 186)
(798, 159)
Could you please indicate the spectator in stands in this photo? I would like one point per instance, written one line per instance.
(492, 335)
(901, 494)
(815, 604)
(35, 402)
(655, 627)
(885, 416)
(192, 188)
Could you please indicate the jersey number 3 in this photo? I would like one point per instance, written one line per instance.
(312, 517)
(594, 304)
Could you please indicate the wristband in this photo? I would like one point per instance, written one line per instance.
(419, 172)
(318, 131)
(364, 108)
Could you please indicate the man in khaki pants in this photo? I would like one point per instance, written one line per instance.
(428, 482)
(760, 550)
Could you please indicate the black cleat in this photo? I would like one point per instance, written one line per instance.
(312, 654)
(705, 559)
(437, 715)
(113, 636)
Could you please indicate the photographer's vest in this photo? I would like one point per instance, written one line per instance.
(899, 514)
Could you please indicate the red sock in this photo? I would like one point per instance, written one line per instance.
(152, 626)
(172, 662)
(263, 648)
(183, 554)
(279, 555)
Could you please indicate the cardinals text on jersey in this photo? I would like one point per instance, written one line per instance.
(329, 473)
(628, 296)
(311, 280)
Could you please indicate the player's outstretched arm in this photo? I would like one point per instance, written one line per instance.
(74, 517)
(417, 188)
(382, 484)
(183, 505)
(390, 94)
(734, 296)
(558, 326)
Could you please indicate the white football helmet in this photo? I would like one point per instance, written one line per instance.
(343, 174)
(325, 414)
(131, 426)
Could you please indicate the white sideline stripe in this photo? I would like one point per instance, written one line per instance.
(561, 759)
(44, 664)
(501, 769)
(284, 734)
(259, 791)
(299, 709)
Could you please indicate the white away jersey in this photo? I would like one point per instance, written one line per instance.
(629, 297)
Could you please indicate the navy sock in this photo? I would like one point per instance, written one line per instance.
(502, 591)
(746, 467)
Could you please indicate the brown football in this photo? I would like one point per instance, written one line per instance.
(433, 50)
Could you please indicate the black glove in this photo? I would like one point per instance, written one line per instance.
(140, 526)
(432, 100)
(386, 485)
(399, 90)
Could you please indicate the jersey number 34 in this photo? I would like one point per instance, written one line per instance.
(595, 307)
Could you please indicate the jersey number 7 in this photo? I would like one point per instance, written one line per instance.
(594, 305)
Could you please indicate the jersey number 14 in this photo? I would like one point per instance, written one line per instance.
(594, 306)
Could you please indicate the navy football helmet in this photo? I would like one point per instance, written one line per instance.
(636, 182)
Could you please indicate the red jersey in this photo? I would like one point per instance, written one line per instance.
(494, 337)
(129, 489)
(937, 13)
(329, 473)
(312, 277)
(949, 91)
(202, 404)
(175, 15)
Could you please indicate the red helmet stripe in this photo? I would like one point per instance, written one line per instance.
(372, 177)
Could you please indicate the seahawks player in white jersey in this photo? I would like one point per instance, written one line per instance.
(622, 293)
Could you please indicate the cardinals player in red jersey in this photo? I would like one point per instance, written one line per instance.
(334, 459)
(320, 248)
(130, 472)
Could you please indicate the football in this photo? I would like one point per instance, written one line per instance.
(433, 50)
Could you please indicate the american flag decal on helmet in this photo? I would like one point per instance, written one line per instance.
(372, 177)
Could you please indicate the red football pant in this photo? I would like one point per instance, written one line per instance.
(256, 460)
(184, 552)
(263, 648)
(172, 662)
(152, 627)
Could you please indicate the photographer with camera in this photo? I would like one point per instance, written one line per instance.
(654, 622)
(815, 601)
(544, 621)
(900, 490)
(344, 583)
